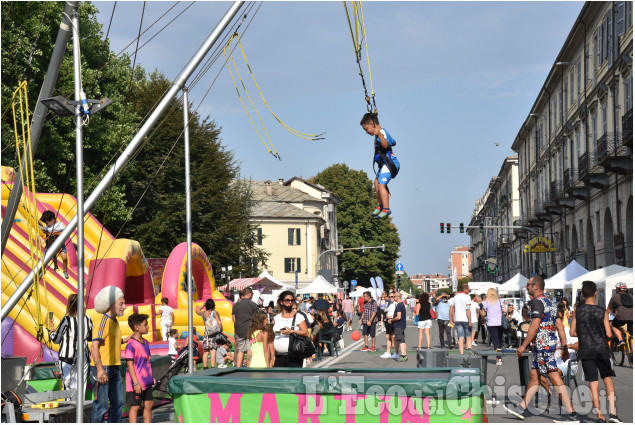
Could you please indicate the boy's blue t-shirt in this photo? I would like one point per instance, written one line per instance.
(389, 139)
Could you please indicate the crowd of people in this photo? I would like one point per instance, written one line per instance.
(554, 332)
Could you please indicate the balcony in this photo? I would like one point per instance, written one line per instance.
(627, 128)
(572, 186)
(592, 178)
(555, 192)
(505, 240)
(614, 156)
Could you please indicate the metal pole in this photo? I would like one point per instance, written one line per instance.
(127, 153)
(188, 231)
(79, 161)
(38, 117)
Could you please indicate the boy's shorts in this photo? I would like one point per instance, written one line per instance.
(369, 330)
(463, 330)
(590, 369)
(400, 337)
(384, 176)
(349, 315)
(134, 399)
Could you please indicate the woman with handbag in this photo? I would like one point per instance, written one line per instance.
(69, 341)
(213, 328)
(423, 311)
(493, 309)
(286, 323)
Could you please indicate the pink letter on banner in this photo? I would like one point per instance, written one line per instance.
(269, 405)
(409, 413)
(231, 411)
(303, 414)
(384, 408)
(350, 401)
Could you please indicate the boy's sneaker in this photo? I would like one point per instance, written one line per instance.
(621, 344)
(222, 366)
(515, 410)
(395, 356)
(365, 348)
(377, 211)
(568, 417)
(372, 349)
(613, 419)
(384, 213)
(403, 359)
(65, 274)
(385, 356)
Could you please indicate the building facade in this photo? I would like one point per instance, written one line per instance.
(574, 157)
(495, 251)
(430, 282)
(461, 261)
(297, 226)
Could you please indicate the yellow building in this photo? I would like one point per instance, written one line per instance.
(297, 226)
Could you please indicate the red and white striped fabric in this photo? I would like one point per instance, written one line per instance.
(240, 284)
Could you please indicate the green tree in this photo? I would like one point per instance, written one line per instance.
(356, 227)
(221, 202)
(407, 285)
(29, 30)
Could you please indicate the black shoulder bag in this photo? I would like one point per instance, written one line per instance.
(300, 347)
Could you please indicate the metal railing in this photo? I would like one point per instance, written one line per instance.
(627, 127)
(555, 190)
(583, 165)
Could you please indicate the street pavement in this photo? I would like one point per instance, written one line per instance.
(504, 380)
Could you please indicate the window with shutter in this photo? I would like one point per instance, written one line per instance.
(297, 237)
(287, 265)
(291, 234)
(259, 236)
(298, 266)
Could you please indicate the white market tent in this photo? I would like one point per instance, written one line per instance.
(515, 284)
(358, 293)
(482, 287)
(598, 276)
(572, 271)
(624, 277)
(319, 286)
(266, 274)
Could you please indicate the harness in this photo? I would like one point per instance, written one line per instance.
(386, 158)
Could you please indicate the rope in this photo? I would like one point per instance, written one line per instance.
(296, 133)
(357, 36)
(30, 203)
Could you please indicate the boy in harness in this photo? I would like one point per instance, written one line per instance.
(388, 165)
(52, 229)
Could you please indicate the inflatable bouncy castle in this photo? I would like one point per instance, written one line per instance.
(108, 261)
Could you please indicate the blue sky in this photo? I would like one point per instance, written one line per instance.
(452, 80)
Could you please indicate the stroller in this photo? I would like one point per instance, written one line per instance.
(175, 368)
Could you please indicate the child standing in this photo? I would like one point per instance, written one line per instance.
(167, 318)
(259, 339)
(52, 229)
(388, 165)
(173, 347)
(139, 379)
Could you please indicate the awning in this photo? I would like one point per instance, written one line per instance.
(240, 284)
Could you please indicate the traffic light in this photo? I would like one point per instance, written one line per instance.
(449, 227)
(441, 227)
(398, 283)
(481, 227)
(461, 228)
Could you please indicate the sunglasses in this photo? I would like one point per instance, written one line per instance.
(287, 300)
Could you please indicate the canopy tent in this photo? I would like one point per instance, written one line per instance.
(515, 284)
(319, 286)
(263, 284)
(358, 293)
(598, 276)
(266, 274)
(557, 281)
(625, 277)
(480, 287)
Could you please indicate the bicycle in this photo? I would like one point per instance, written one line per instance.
(625, 351)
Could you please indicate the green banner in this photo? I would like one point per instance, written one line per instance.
(375, 406)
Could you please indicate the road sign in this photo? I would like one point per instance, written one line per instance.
(353, 283)
(399, 267)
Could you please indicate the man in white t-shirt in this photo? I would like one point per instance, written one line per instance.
(461, 317)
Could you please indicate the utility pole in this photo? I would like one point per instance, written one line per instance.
(39, 113)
